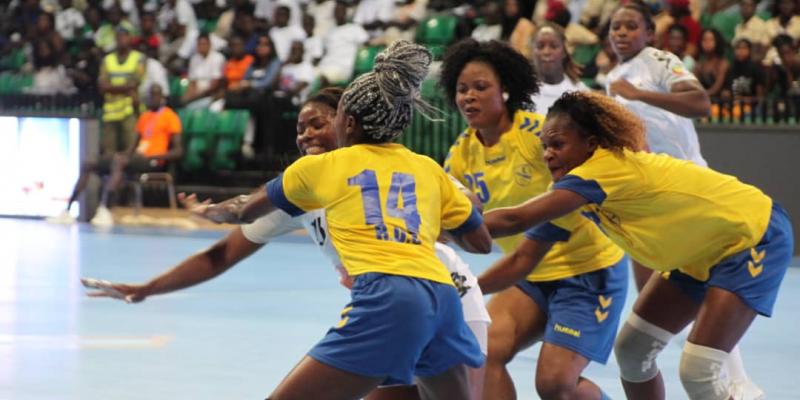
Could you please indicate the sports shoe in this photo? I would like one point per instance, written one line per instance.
(746, 390)
(102, 217)
(64, 218)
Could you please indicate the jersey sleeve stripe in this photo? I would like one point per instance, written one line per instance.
(588, 189)
(548, 232)
(473, 222)
(278, 197)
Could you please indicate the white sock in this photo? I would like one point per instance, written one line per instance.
(734, 366)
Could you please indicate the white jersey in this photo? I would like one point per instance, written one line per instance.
(279, 223)
(656, 71)
(548, 94)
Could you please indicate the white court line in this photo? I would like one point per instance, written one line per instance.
(86, 342)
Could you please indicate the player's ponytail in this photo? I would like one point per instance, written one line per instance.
(614, 126)
(382, 101)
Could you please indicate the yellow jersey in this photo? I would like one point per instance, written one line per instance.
(384, 205)
(669, 213)
(512, 172)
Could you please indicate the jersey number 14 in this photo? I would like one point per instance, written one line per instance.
(403, 188)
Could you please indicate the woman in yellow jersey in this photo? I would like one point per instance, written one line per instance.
(384, 207)
(573, 299)
(723, 246)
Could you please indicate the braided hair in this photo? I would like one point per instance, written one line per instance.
(382, 101)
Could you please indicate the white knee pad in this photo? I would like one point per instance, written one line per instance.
(637, 346)
(700, 373)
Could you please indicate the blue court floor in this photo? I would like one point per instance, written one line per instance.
(236, 336)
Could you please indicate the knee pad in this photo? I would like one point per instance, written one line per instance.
(637, 346)
(700, 373)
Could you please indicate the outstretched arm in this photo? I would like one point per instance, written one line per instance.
(241, 209)
(196, 269)
(545, 207)
(514, 267)
(687, 98)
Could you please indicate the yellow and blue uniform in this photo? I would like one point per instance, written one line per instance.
(513, 171)
(385, 206)
(673, 215)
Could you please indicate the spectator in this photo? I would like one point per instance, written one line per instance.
(491, 28)
(69, 21)
(676, 44)
(237, 65)
(341, 46)
(402, 26)
(322, 12)
(244, 26)
(296, 76)
(258, 82)
(597, 13)
(155, 73)
(678, 13)
(205, 75)
(94, 21)
(177, 10)
(50, 77)
(84, 70)
(104, 37)
(157, 143)
(753, 28)
(712, 66)
(265, 9)
(224, 27)
(282, 33)
(517, 26)
(148, 34)
(374, 15)
(744, 82)
(577, 35)
(785, 78)
(314, 47)
(128, 7)
(45, 30)
(24, 17)
(785, 20)
(120, 75)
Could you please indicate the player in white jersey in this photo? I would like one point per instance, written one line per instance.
(656, 86)
(315, 136)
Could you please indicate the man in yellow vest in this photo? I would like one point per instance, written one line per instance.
(120, 74)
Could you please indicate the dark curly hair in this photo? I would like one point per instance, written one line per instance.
(517, 76)
(720, 45)
(615, 127)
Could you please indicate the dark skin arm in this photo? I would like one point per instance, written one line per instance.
(513, 267)
(545, 207)
(687, 98)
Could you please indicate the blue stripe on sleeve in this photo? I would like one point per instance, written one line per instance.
(547, 232)
(590, 190)
(278, 198)
(473, 222)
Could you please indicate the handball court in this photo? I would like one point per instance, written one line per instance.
(236, 336)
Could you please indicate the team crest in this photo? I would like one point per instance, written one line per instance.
(678, 70)
(523, 174)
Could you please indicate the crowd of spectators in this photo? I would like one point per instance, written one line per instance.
(251, 53)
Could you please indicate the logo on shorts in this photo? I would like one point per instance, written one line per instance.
(569, 331)
(461, 283)
(601, 311)
(345, 318)
(755, 267)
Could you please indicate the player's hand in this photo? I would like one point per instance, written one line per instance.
(225, 212)
(126, 293)
(624, 88)
(196, 207)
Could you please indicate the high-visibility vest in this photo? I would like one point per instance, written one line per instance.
(118, 106)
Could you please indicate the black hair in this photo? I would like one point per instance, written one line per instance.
(720, 45)
(328, 96)
(679, 28)
(645, 12)
(517, 76)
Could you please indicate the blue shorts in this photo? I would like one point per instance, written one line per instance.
(754, 274)
(583, 311)
(397, 327)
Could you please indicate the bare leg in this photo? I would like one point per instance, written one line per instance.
(409, 392)
(511, 331)
(641, 274)
(722, 320)
(558, 375)
(83, 179)
(311, 379)
(450, 385)
(650, 306)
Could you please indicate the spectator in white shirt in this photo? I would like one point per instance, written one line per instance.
(205, 75)
(374, 15)
(341, 45)
(69, 20)
(283, 34)
(155, 73)
(179, 10)
(313, 46)
(296, 76)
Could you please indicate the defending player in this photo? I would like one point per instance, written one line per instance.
(573, 299)
(724, 246)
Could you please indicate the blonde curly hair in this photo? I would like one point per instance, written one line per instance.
(615, 127)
